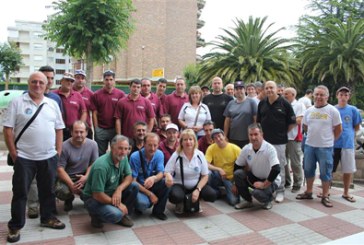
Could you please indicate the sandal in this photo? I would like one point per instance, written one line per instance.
(319, 195)
(326, 202)
(304, 196)
(349, 198)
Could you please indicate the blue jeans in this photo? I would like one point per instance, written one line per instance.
(24, 172)
(215, 181)
(322, 155)
(108, 213)
(161, 191)
(261, 195)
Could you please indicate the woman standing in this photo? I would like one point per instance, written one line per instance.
(195, 173)
(193, 114)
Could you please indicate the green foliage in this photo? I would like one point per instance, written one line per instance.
(248, 52)
(10, 59)
(191, 72)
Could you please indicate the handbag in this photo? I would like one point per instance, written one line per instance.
(9, 159)
(188, 205)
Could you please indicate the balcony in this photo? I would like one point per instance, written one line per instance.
(201, 4)
(200, 23)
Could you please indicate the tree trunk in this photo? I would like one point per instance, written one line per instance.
(7, 81)
(89, 66)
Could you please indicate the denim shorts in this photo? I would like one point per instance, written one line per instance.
(322, 155)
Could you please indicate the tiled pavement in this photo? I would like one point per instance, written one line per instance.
(291, 222)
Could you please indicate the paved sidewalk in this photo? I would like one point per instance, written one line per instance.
(291, 222)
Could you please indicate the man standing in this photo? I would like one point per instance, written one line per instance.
(131, 109)
(103, 104)
(294, 151)
(48, 71)
(239, 114)
(259, 177)
(160, 92)
(277, 118)
(344, 146)
(169, 145)
(205, 90)
(80, 86)
(306, 100)
(31, 159)
(110, 193)
(229, 89)
(78, 154)
(148, 171)
(147, 93)
(174, 102)
(221, 157)
(217, 102)
(323, 125)
(74, 107)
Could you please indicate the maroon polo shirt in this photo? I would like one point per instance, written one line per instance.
(203, 144)
(130, 111)
(162, 101)
(154, 100)
(104, 103)
(167, 152)
(86, 94)
(173, 105)
(162, 136)
(73, 107)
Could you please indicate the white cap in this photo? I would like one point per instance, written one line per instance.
(172, 125)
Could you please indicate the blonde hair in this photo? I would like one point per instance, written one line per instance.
(192, 90)
(188, 133)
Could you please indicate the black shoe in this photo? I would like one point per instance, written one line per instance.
(53, 223)
(96, 222)
(160, 216)
(126, 221)
(68, 206)
(13, 236)
(33, 213)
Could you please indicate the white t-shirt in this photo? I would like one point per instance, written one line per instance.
(192, 169)
(299, 110)
(320, 124)
(38, 141)
(260, 162)
(188, 114)
(306, 101)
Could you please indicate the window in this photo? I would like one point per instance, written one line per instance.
(38, 58)
(58, 82)
(60, 50)
(60, 61)
(38, 46)
(61, 72)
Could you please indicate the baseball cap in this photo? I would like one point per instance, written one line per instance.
(80, 72)
(172, 126)
(343, 89)
(204, 86)
(239, 84)
(216, 131)
(68, 76)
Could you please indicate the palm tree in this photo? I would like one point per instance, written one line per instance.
(249, 53)
(335, 57)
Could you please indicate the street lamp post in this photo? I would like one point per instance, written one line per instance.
(143, 47)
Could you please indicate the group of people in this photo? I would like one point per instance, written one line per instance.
(145, 149)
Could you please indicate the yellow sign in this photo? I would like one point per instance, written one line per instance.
(158, 72)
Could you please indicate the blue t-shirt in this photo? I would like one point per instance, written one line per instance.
(350, 117)
(153, 167)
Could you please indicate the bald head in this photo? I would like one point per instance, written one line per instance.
(270, 89)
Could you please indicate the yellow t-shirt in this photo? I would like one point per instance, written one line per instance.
(223, 157)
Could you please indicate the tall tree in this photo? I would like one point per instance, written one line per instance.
(10, 60)
(93, 30)
(249, 52)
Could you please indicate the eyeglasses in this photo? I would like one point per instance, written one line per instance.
(37, 81)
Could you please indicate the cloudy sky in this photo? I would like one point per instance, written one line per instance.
(217, 13)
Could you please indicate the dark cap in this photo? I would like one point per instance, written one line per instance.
(216, 131)
(204, 86)
(346, 89)
(80, 72)
(239, 84)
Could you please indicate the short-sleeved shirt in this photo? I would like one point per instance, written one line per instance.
(173, 104)
(105, 177)
(167, 152)
(350, 117)
(73, 107)
(223, 157)
(217, 104)
(130, 111)
(86, 94)
(192, 169)
(104, 103)
(188, 114)
(38, 141)
(56, 98)
(299, 110)
(154, 100)
(306, 101)
(76, 160)
(203, 144)
(241, 115)
(153, 167)
(162, 101)
(275, 119)
(320, 124)
(260, 162)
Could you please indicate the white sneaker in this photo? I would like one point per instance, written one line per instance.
(179, 208)
(279, 197)
(242, 205)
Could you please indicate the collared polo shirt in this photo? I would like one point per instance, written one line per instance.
(173, 105)
(86, 94)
